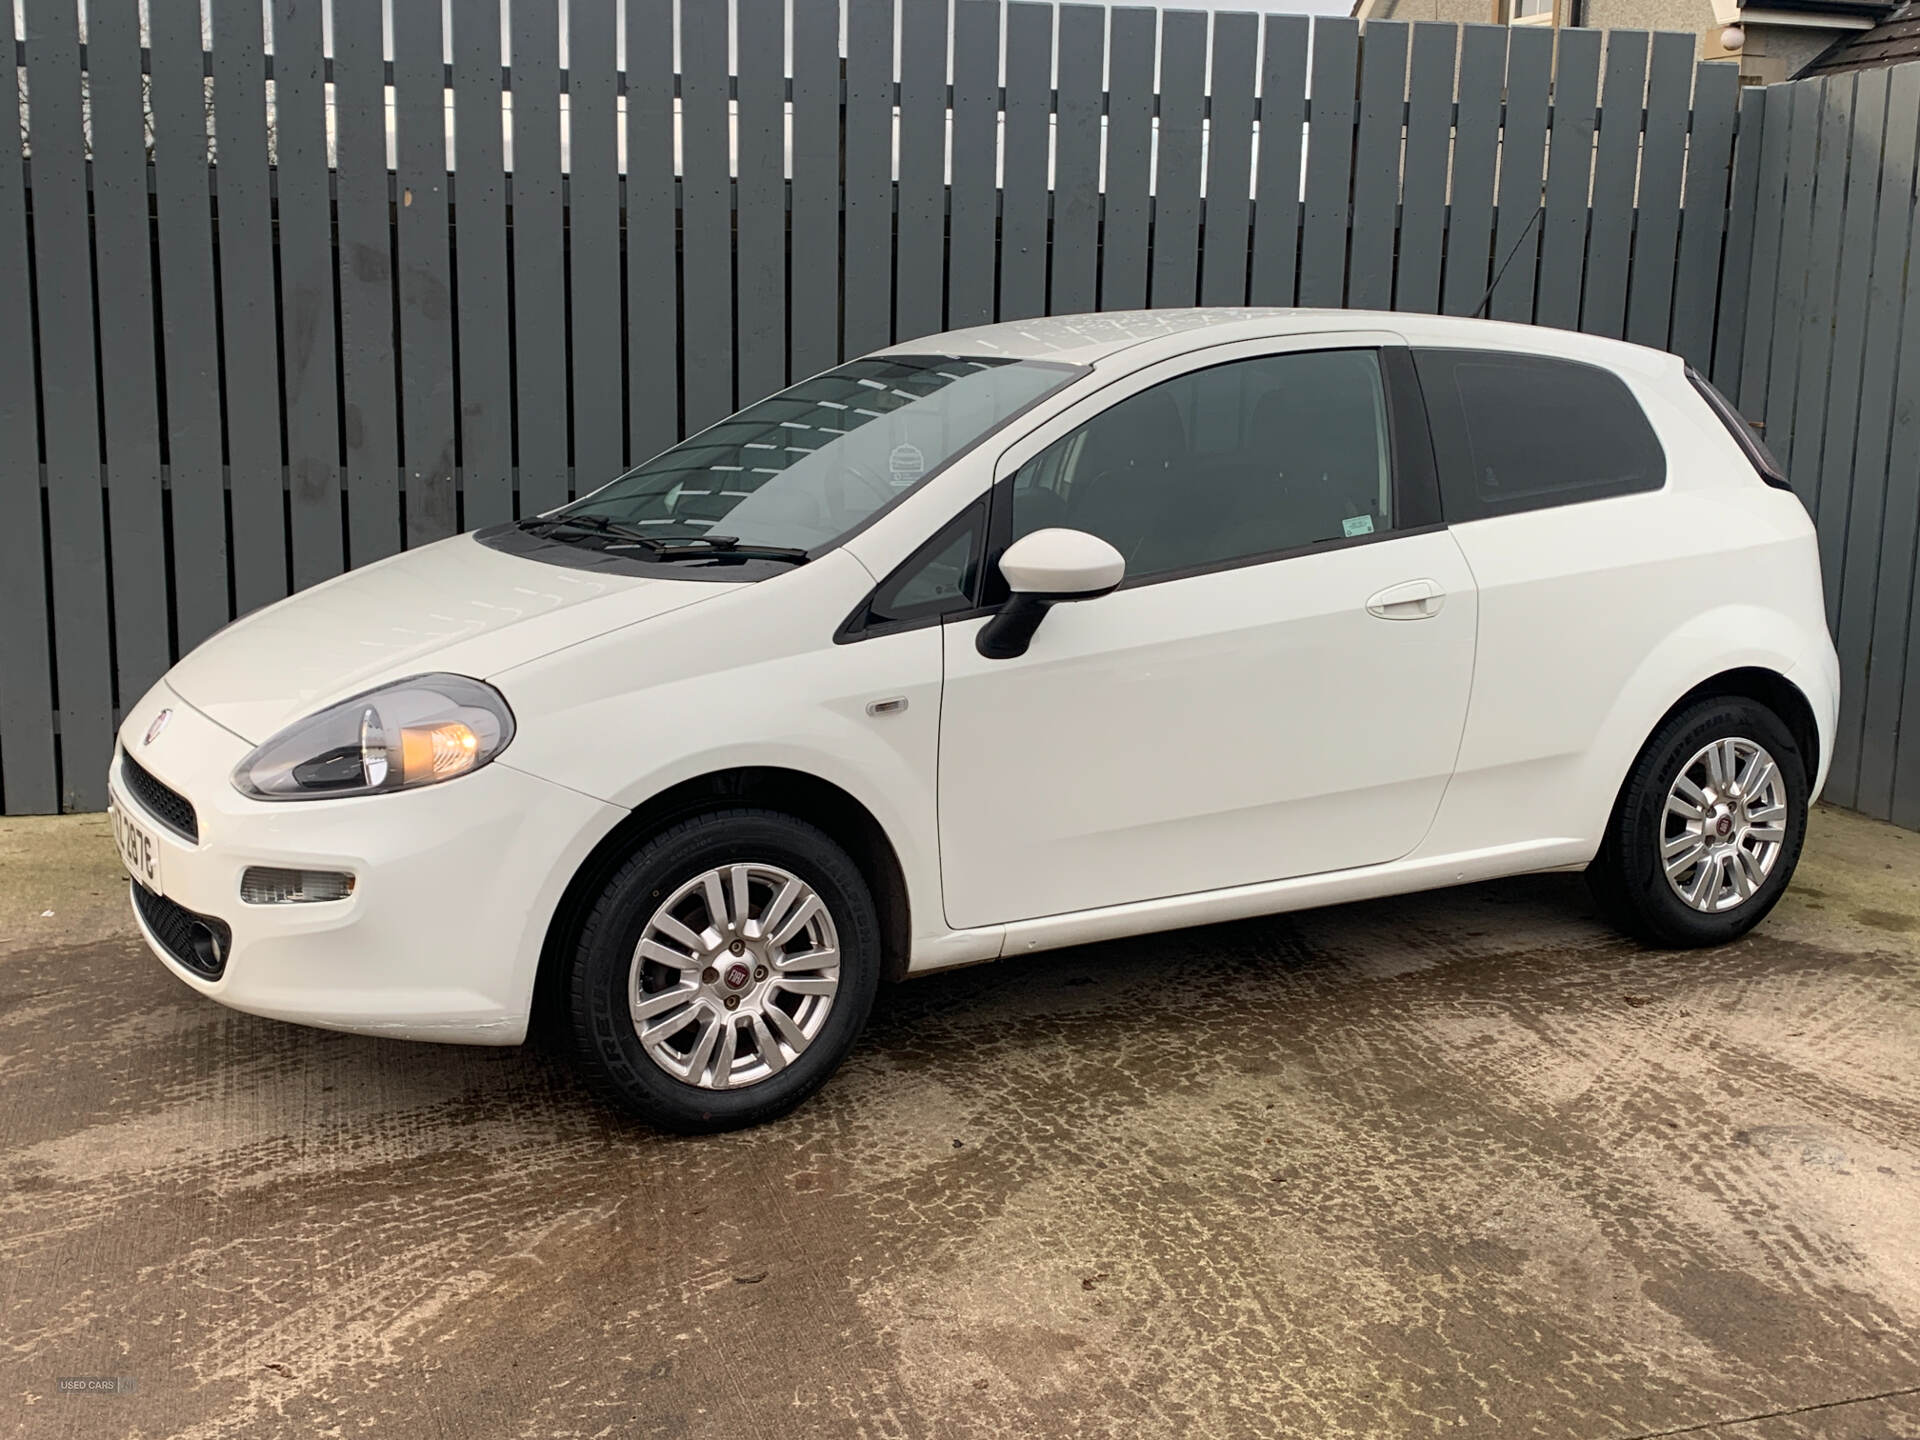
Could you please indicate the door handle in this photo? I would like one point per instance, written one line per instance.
(1409, 600)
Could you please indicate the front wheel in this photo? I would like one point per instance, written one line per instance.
(724, 971)
(1708, 827)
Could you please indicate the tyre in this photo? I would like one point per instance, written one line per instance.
(724, 972)
(1708, 827)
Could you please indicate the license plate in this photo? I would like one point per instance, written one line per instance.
(139, 850)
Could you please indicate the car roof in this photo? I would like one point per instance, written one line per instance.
(1091, 339)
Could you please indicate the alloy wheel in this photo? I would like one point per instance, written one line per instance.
(1724, 824)
(734, 975)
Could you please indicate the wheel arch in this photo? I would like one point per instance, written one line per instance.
(1770, 688)
(846, 821)
(1759, 683)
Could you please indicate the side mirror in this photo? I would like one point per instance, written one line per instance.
(1044, 569)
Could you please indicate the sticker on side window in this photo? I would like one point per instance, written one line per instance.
(1357, 525)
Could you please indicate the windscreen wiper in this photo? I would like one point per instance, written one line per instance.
(592, 524)
(690, 547)
(664, 547)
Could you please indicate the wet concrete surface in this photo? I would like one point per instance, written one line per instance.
(1458, 1163)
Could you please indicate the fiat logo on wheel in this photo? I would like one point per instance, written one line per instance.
(737, 974)
(1724, 826)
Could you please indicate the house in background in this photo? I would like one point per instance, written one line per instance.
(1773, 41)
(1893, 41)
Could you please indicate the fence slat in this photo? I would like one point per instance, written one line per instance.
(920, 259)
(1663, 151)
(129, 374)
(308, 350)
(1076, 161)
(70, 408)
(762, 203)
(653, 245)
(1323, 238)
(1563, 238)
(256, 494)
(1603, 309)
(480, 269)
(1483, 64)
(706, 213)
(539, 260)
(1376, 164)
(1229, 203)
(1839, 390)
(1283, 110)
(1800, 451)
(1880, 528)
(1423, 204)
(1175, 268)
(29, 782)
(1896, 663)
(197, 491)
(1023, 200)
(426, 301)
(868, 323)
(1769, 206)
(1523, 153)
(816, 184)
(1704, 213)
(1736, 259)
(1123, 245)
(593, 244)
(976, 124)
(763, 198)
(1790, 288)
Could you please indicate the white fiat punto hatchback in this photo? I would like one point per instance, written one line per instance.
(1360, 604)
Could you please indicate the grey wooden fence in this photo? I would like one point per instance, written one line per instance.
(1830, 364)
(233, 368)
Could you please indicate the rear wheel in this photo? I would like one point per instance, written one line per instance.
(1708, 827)
(724, 972)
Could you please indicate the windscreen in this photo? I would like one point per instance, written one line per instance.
(804, 468)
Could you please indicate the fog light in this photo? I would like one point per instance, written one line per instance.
(264, 886)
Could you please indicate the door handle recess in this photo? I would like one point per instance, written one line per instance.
(1409, 600)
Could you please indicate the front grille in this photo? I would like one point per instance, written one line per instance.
(199, 942)
(169, 807)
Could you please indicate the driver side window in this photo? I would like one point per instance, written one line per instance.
(1224, 464)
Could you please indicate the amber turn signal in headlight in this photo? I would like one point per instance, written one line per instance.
(412, 732)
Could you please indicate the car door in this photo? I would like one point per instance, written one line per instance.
(1279, 685)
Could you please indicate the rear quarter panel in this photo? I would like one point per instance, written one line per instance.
(1595, 618)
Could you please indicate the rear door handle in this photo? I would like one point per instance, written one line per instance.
(1409, 600)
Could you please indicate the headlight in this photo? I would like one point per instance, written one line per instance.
(412, 732)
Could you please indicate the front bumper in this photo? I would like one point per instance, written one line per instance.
(454, 887)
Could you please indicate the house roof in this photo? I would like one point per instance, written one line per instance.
(1894, 40)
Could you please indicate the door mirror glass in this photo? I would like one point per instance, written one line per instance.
(1062, 565)
(1044, 569)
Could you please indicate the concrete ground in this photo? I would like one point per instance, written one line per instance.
(1460, 1163)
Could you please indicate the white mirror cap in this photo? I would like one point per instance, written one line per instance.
(1062, 562)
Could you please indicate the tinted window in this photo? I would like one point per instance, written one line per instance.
(1223, 464)
(937, 578)
(1520, 432)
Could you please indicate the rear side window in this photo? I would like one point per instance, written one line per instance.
(1522, 432)
(1744, 435)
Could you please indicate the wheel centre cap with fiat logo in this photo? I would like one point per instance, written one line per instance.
(1724, 826)
(154, 729)
(736, 975)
